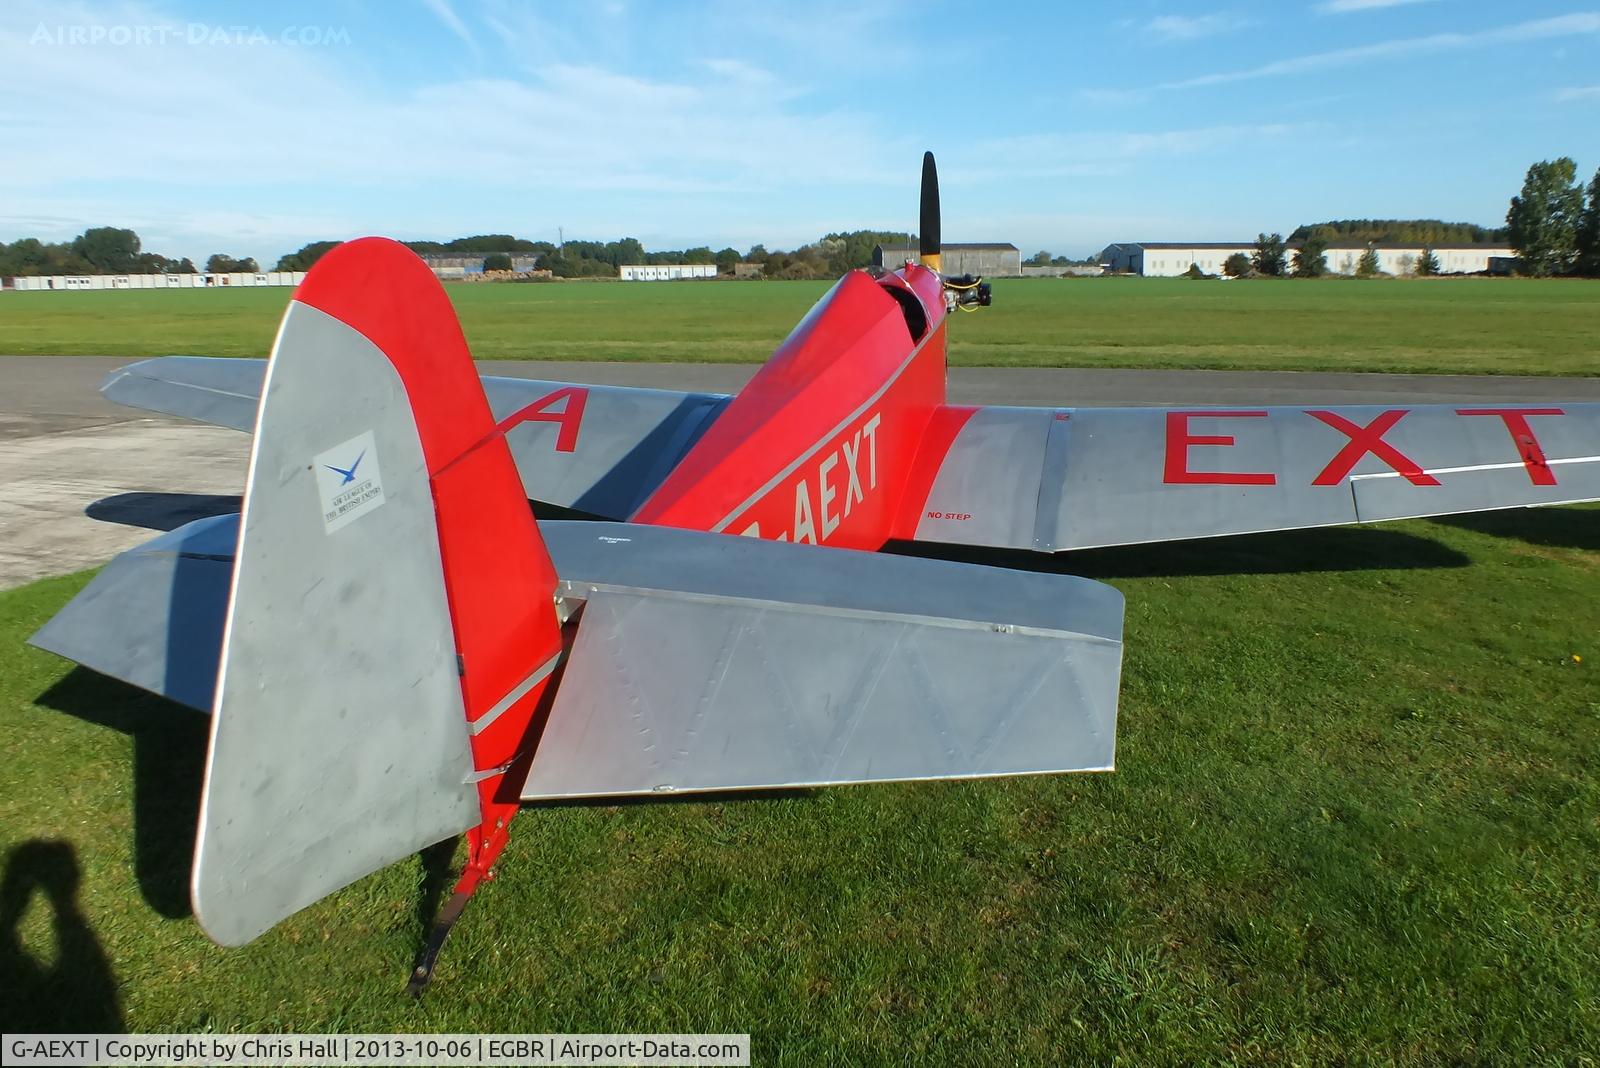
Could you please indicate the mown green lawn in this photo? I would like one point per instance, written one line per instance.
(1447, 326)
(1356, 818)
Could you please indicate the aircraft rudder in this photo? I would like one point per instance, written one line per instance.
(391, 591)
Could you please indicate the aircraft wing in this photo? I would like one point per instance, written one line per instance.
(594, 449)
(1050, 479)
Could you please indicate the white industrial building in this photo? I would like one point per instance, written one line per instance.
(664, 272)
(1162, 259)
(1166, 259)
(988, 259)
(81, 282)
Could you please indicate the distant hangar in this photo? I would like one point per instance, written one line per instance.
(991, 261)
(1165, 259)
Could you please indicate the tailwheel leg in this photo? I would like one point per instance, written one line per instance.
(430, 951)
(484, 844)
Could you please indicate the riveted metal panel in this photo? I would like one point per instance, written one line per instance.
(712, 663)
(987, 489)
(627, 556)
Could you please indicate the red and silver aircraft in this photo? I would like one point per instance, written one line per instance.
(394, 651)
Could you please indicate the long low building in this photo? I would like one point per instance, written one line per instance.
(665, 272)
(1166, 259)
(70, 283)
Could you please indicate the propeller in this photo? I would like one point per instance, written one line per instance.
(928, 225)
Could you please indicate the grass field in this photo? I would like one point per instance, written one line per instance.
(1356, 818)
(1446, 326)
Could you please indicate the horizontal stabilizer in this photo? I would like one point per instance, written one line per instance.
(217, 391)
(153, 616)
(840, 667)
(705, 662)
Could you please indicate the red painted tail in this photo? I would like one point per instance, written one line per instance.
(497, 575)
(391, 582)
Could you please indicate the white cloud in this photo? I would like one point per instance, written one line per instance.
(446, 14)
(1342, 7)
(737, 70)
(1574, 25)
(1191, 27)
(106, 134)
(1578, 92)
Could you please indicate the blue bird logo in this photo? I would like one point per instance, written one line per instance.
(350, 474)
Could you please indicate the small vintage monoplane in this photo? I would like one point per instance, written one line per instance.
(394, 651)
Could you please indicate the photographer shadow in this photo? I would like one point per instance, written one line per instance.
(75, 991)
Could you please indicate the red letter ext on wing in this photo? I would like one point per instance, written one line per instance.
(1179, 441)
(1365, 439)
(1516, 421)
(570, 416)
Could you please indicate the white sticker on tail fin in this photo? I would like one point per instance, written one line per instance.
(349, 481)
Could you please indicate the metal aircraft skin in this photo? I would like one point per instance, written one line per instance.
(394, 650)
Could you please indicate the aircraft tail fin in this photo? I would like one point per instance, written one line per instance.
(391, 627)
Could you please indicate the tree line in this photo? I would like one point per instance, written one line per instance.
(1408, 231)
(1043, 258)
(98, 250)
(105, 250)
(1553, 225)
(113, 250)
(828, 257)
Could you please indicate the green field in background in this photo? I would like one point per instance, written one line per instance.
(1446, 326)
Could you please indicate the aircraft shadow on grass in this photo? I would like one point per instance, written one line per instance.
(169, 757)
(1559, 528)
(75, 991)
(1277, 553)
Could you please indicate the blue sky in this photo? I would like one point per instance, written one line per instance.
(252, 129)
